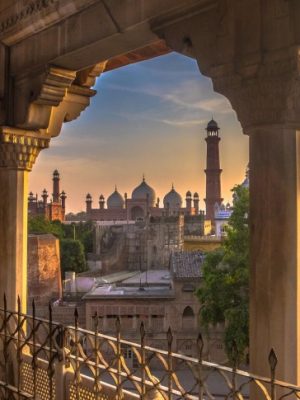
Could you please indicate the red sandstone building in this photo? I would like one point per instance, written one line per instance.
(142, 203)
(55, 209)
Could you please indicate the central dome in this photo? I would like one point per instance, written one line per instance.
(144, 192)
(115, 200)
(172, 199)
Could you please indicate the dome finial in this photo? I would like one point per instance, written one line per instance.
(143, 177)
(116, 189)
(172, 185)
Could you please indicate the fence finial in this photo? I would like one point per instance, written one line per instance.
(200, 345)
(272, 360)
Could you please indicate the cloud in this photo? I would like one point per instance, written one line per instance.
(189, 95)
(184, 123)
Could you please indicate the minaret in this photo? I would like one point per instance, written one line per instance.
(45, 197)
(88, 201)
(196, 203)
(56, 192)
(63, 197)
(188, 200)
(101, 202)
(213, 171)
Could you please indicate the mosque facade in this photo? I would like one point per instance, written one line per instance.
(142, 203)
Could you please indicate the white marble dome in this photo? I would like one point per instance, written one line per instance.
(172, 199)
(144, 192)
(115, 200)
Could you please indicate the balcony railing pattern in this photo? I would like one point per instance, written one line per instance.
(41, 359)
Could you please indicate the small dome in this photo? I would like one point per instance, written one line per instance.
(63, 194)
(172, 199)
(55, 173)
(101, 197)
(88, 196)
(212, 125)
(115, 200)
(196, 195)
(144, 192)
(188, 194)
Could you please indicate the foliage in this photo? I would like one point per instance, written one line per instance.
(72, 256)
(224, 295)
(41, 225)
(78, 237)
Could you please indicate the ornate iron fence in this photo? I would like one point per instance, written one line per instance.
(41, 359)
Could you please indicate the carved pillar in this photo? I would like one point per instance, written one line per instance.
(275, 250)
(42, 102)
(268, 106)
(18, 152)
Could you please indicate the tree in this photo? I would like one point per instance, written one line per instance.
(72, 256)
(73, 251)
(224, 294)
(40, 225)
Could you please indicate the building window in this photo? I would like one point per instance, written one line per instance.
(188, 312)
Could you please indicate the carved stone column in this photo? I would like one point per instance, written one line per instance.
(42, 102)
(18, 152)
(268, 106)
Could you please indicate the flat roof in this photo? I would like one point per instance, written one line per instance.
(125, 292)
(151, 277)
(146, 284)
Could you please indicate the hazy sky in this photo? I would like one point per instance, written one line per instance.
(146, 118)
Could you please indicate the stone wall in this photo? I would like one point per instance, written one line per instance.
(44, 274)
(142, 245)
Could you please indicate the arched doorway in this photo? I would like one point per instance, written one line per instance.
(136, 212)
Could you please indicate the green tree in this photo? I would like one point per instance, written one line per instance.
(41, 225)
(73, 252)
(72, 256)
(224, 294)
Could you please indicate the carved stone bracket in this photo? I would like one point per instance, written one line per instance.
(19, 148)
(55, 97)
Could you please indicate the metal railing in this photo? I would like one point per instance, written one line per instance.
(42, 359)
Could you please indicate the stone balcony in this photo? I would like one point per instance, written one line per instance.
(42, 359)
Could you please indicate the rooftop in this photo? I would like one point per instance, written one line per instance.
(147, 284)
(187, 264)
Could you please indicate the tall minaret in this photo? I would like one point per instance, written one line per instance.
(213, 171)
(56, 192)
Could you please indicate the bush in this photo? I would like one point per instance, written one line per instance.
(72, 256)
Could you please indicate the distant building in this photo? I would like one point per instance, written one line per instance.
(223, 213)
(139, 245)
(53, 210)
(158, 298)
(142, 203)
(44, 272)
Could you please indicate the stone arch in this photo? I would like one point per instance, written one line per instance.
(188, 312)
(188, 318)
(136, 212)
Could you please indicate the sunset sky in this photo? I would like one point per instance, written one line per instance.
(147, 118)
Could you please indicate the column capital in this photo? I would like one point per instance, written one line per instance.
(19, 148)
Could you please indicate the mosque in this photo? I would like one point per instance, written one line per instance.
(143, 202)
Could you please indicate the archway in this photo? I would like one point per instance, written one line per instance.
(136, 213)
(250, 63)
